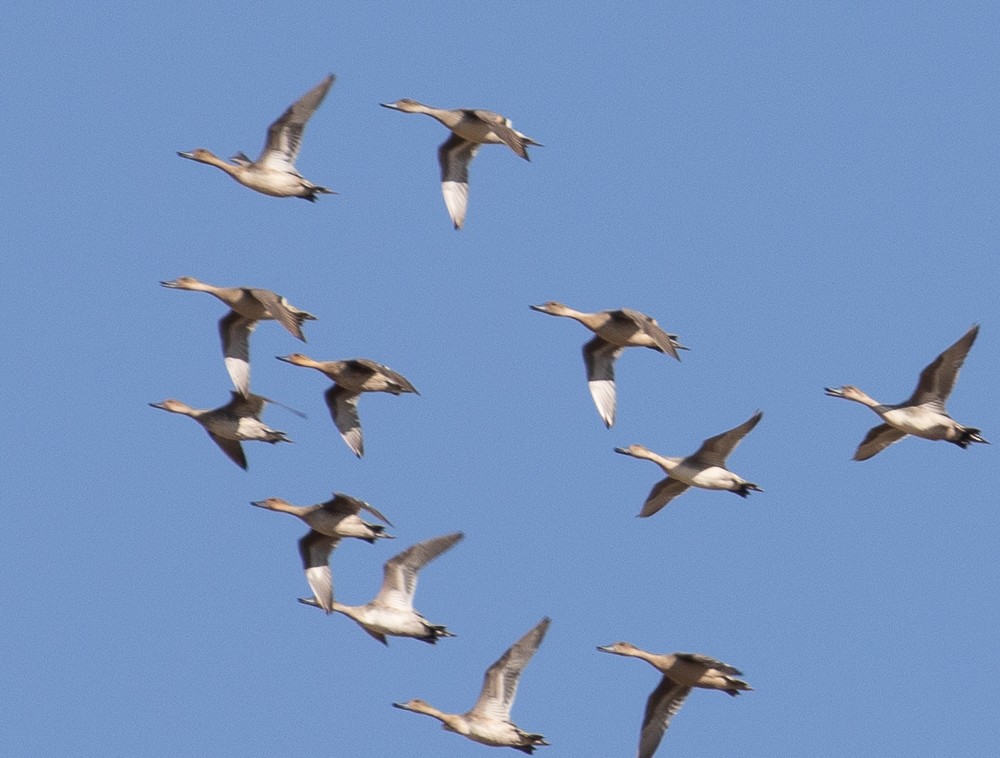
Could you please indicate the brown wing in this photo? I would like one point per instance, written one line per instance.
(662, 493)
(501, 679)
(652, 330)
(345, 505)
(878, 439)
(284, 136)
(343, 406)
(715, 450)
(279, 311)
(937, 380)
(231, 448)
(661, 706)
(502, 129)
(399, 580)
(709, 662)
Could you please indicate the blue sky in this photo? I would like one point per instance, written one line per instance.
(806, 195)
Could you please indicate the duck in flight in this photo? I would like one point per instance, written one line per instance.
(488, 722)
(247, 305)
(328, 523)
(681, 672)
(391, 612)
(615, 331)
(274, 172)
(470, 128)
(924, 414)
(230, 424)
(352, 378)
(705, 468)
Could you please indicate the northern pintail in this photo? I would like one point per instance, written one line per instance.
(229, 424)
(351, 378)
(248, 305)
(328, 522)
(615, 331)
(488, 723)
(924, 414)
(274, 173)
(681, 672)
(705, 468)
(470, 128)
(391, 611)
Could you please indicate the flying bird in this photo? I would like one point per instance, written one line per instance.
(924, 414)
(488, 723)
(615, 331)
(329, 522)
(470, 128)
(248, 305)
(705, 468)
(274, 172)
(229, 424)
(352, 378)
(391, 611)
(681, 672)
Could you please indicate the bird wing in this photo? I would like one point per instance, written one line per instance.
(599, 355)
(878, 439)
(455, 154)
(279, 310)
(398, 383)
(652, 330)
(501, 127)
(400, 572)
(235, 331)
(343, 406)
(315, 549)
(231, 448)
(662, 704)
(501, 679)
(284, 136)
(715, 450)
(345, 505)
(241, 406)
(709, 662)
(937, 380)
(662, 493)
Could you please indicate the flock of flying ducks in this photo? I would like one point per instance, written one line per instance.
(391, 612)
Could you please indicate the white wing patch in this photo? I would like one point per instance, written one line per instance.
(603, 392)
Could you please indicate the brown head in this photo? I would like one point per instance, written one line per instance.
(296, 359)
(404, 104)
(552, 307)
(201, 155)
(174, 406)
(619, 648)
(183, 283)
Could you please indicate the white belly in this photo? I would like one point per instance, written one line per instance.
(919, 422)
(711, 478)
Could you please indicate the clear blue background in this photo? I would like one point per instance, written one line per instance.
(806, 194)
